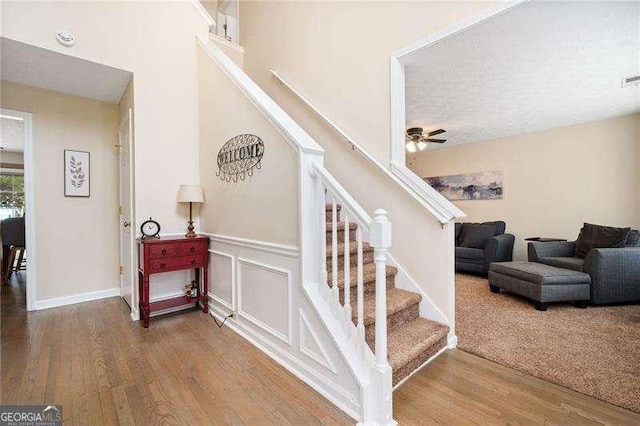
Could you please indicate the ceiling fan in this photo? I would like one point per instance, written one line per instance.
(418, 141)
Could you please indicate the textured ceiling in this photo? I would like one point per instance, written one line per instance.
(11, 135)
(536, 66)
(26, 64)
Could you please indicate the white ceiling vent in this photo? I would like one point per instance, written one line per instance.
(631, 81)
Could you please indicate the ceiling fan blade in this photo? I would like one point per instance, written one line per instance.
(435, 140)
(436, 132)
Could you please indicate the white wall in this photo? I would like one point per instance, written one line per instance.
(77, 237)
(155, 41)
(554, 180)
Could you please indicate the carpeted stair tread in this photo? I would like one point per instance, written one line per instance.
(368, 274)
(412, 339)
(340, 226)
(397, 300)
(353, 249)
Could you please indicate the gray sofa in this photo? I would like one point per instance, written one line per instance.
(477, 254)
(614, 272)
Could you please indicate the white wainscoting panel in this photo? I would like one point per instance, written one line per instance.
(222, 288)
(310, 344)
(259, 283)
(264, 297)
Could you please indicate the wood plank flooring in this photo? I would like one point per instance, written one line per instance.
(105, 369)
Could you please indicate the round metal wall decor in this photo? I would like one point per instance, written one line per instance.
(239, 157)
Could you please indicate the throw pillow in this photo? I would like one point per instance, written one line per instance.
(633, 240)
(596, 236)
(476, 236)
(498, 225)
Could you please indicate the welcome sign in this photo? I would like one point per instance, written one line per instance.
(239, 157)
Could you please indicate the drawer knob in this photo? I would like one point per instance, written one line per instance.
(164, 251)
(193, 261)
(162, 265)
(193, 249)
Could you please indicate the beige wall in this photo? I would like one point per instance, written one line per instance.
(263, 207)
(337, 54)
(554, 180)
(155, 41)
(77, 238)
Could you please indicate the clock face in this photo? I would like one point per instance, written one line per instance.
(150, 228)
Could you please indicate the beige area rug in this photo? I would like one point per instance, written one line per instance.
(595, 351)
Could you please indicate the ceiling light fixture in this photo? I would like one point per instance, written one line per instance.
(418, 141)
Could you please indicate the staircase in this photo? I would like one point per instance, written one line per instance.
(411, 340)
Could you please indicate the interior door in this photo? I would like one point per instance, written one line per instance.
(127, 264)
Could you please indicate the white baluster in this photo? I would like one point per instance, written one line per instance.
(335, 302)
(347, 277)
(380, 233)
(324, 284)
(360, 297)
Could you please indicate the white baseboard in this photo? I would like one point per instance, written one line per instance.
(76, 298)
(333, 394)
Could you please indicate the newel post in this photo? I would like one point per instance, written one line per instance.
(380, 235)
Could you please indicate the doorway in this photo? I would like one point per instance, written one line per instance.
(125, 209)
(17, 208)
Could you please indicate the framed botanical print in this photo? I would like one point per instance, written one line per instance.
(77, 176)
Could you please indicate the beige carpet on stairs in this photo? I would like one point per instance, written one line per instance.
(595, 351)
(411, 340)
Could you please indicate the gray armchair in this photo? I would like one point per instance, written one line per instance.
(614, 272)
(498, 248)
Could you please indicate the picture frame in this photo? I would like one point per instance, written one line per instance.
(77, 173)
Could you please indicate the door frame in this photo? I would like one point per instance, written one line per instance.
(127, 120)
(29, 205)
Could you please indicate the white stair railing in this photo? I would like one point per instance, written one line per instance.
(316, 185)
(378, 229)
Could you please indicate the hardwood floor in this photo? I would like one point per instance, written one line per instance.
(105, 369)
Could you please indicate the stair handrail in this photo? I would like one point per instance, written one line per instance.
(314, 182)
(427, 197)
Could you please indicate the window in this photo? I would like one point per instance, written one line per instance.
(11, 196)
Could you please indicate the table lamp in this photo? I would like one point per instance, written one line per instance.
(190, 194)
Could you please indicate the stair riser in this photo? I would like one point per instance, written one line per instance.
(412, 365)
(396, 320)
(367, 257)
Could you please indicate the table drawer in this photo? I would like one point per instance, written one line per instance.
(175, 263)
(159, 251)
(193, 248)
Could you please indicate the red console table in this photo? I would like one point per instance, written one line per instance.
(166, 255)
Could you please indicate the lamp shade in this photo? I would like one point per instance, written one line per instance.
(190, 194)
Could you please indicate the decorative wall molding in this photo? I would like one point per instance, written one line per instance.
(77, 298)
(286, 338)
(279, 249)
(306, 332)
(232, 304)
(337, 395)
